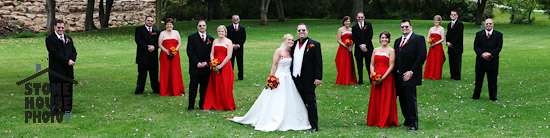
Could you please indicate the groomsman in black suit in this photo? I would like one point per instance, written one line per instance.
(237, 34)
(487, 45)
(199, 46)
(146, 38)
(307, 71)
(62, 57)
(455, 31)
(410, 54)
(362, 37)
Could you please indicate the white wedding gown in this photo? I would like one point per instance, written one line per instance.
(280, 109)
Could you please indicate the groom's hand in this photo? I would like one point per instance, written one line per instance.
(317, 82)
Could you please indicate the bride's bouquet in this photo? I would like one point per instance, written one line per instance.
(171, 52)
(272, 82)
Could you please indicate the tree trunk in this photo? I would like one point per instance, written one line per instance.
(479, 12)
(89, 22)
(263, 12)
(357, 7)
(280, 10)
(50, 10)
(104, 14)
(159, 4)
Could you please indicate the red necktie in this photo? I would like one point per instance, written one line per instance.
(300, 44)
(61, 37)
(235, 27)
(361, 27)
(203, 40)
(402, 43)
(149, 29)
(488, 35)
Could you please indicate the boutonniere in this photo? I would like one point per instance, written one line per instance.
(310, 46)
(408, 41)
(209, 41)
(68, 40)
(238, 28)
(453, 26)
(154, 33)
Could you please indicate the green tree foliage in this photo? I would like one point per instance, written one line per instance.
(520, 10)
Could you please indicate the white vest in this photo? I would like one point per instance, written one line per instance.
(298, 59)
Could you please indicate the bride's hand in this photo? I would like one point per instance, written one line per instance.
(219, 67)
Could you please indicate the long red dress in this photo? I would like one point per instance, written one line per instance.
(171, 82)
(345, 67)
(382, 104)
(435, 59)
(219, 93)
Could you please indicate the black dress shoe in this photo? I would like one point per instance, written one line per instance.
(189, 109)
(314, 130)
(494, 100)
(138, 92)
(360, 82)
(412, 129)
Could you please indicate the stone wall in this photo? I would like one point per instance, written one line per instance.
(32, 13)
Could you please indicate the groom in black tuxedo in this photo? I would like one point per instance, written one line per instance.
(199, 46)
(237, 34)
(307, 71)
(410, 54)
(362, 37)
(455, 31)
(487, 45)
(146, 38)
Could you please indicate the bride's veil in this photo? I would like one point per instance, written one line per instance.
(282, 45)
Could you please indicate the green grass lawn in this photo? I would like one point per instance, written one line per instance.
(105, 105)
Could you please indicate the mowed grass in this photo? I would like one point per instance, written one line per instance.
(105, 105)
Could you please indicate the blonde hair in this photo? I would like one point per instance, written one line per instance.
(437, 17)
(286, 36)
(221, 27)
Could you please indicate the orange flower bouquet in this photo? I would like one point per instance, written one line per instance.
(431, 40)
(214, 63)
(272, 82)
(348, 42)
(375, 77)
(171, 52)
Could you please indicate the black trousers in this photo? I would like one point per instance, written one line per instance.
(195, 81)
(61, 96)
(455, 65)
(407, 101)
(239, 56)
(492, 75)
(142, 76)
(310, 100)
(360, 58)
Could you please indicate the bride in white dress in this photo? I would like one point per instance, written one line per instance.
(278, 109)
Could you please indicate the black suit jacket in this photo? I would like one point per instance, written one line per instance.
(237, 37)
(312, 63)
(143, 38)
(362, 36)
(198, 51)
(411, 57)
(493, 45)
(59, 55)
(455, 37)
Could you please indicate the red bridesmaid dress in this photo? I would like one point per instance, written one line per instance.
(435, 59)
(382, 104)
(345, 67)
(171, 82)
(219, 93)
